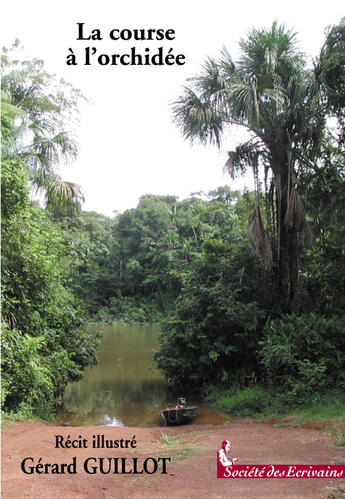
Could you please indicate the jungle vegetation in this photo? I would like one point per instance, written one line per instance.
(248, 287)
(43, 343)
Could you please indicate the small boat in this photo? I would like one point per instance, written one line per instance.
(181, 414)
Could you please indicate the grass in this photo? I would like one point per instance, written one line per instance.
(25, 413)
(174, 446)
(339, 493)
(9, 419)
(326, 409)
(309, 415)
(261, 403)
(174, 443)
(338, 435)
(6, 424)
(169, 441)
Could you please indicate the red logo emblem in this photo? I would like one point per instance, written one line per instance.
(223, 460)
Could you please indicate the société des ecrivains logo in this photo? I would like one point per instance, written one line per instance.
(226, 468)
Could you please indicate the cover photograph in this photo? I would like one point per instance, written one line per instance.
(173, 250)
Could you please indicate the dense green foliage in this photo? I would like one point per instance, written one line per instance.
(131, 268)
(43, 344)
(322, 280)
(332, 71)
(218, 318)
(262, 401)
(226, 327)
(305, 354)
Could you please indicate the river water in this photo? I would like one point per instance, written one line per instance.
(124, 388)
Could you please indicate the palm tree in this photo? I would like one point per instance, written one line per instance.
(269, 92)
(35, 109)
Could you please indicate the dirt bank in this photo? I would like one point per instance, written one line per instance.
(191, 472)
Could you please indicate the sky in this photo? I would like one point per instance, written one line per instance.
(128, 143)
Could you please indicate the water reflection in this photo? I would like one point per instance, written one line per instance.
(124, 389)
(108, 421)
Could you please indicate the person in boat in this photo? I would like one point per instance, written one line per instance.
(181, 403)
(222, 457)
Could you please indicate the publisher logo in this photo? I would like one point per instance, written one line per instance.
(226, 468)
(223, 460)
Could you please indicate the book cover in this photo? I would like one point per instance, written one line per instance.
(173, 249)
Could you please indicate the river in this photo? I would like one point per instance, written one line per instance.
(124, 388)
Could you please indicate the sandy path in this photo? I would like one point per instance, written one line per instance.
(192, 472)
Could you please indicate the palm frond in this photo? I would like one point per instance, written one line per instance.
(226, 63)
(229, 166)
(248, 98)
(198, 118)
(65, 197)
(246, 155)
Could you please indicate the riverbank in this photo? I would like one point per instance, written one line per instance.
(190, 473)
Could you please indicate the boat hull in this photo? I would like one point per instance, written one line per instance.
(176, 416)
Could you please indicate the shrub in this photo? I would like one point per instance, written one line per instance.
(25, 377)
(304, 354)
(247, 402)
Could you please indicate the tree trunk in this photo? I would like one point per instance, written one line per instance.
(288, 270)
(287, 240)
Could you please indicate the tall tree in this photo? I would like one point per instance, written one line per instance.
(37, 111)
(271, 93)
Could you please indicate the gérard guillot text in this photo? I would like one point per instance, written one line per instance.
(93, 465)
